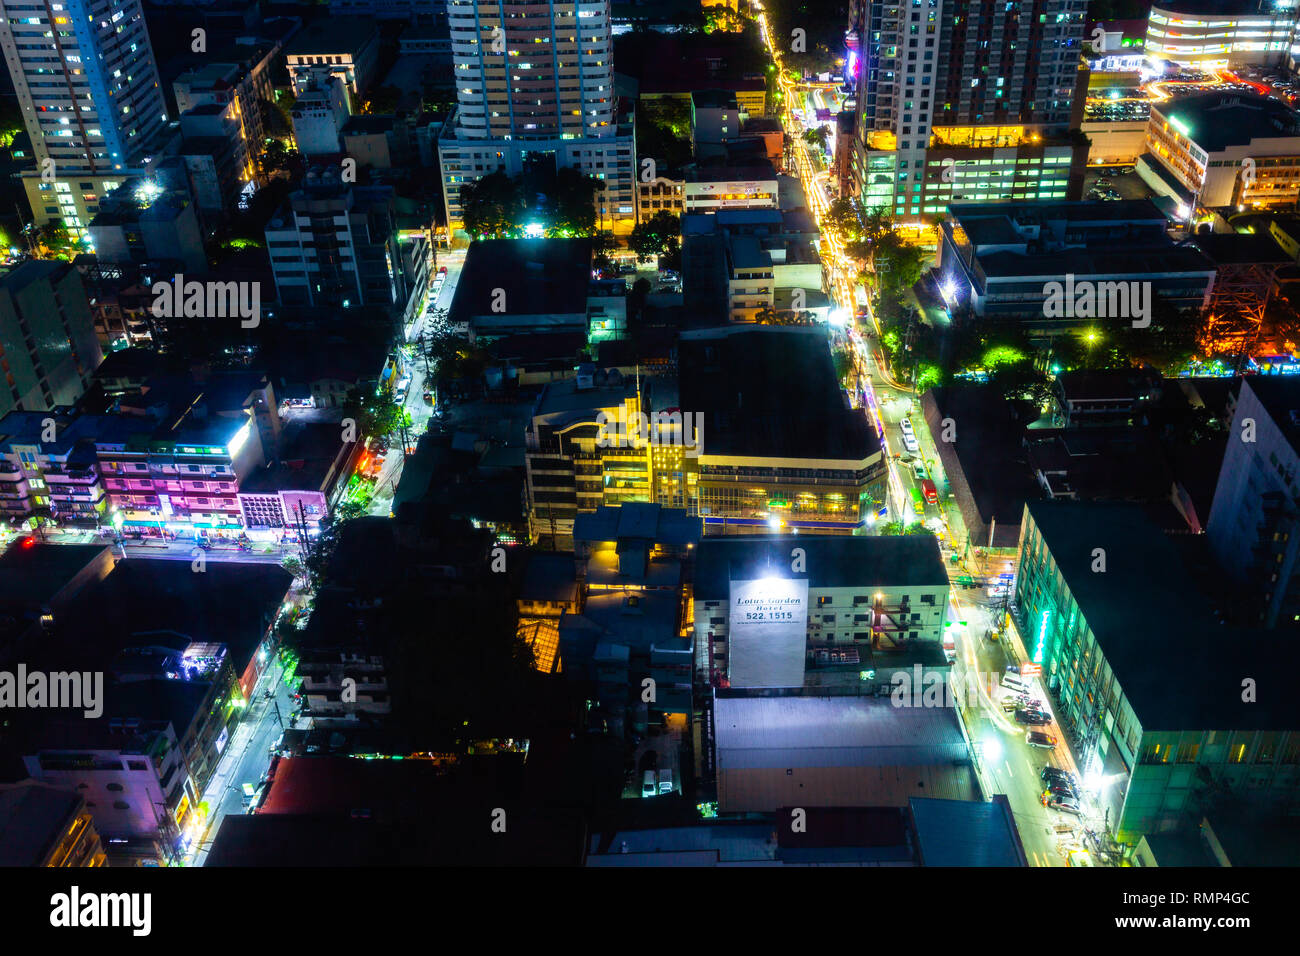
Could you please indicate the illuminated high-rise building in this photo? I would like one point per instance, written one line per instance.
(87, 84)
(535, 82)
(968, 100)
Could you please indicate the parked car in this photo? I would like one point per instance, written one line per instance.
(1063, 788)
(1035, 718)
(1056, 773)
(648, 788)
(665, 781)
(1038, 739)
(1058, 801)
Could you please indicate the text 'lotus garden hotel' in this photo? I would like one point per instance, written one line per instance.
(535, 83)
(86, 81)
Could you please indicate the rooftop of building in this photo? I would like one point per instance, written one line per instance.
(1238, 248)
(1080, 212)
(308, 451)
(988, 450)
(216, 74)
(334, 35)
(32, 270)
(1280, 396)
(832, 561)
(33, 818)
(640, 521)
(1154, 258)
(731, 174)
(1092, 384)
(537, 276)
(1216, 121)
(796, 411)
(1179, 669)
(156, 601)
(29, 428)
(755, 733)
(705, 223)
(615, 620)
(568, 396)
(966, 833)
(1120, 463)
(713, 99)
(35, 575)
(550, 576)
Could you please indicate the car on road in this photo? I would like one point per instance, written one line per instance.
(1056, 773)
(1035, 718)
(1063, 787)
(918, 470)
(1036, 738)
(909, 436)
(1059, 801)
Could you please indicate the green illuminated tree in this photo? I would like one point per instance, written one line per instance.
(492, 207)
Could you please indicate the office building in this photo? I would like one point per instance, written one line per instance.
(346, 47)
(969, 101)
(787, 453)
(48, 348)
(1000, 259)
(1218, 149)
(715, 120)
(1145, 676)
(537, 86)
(1254, 519)
(335, 243)
(1220, 34)
(94, 118)
(569, 468)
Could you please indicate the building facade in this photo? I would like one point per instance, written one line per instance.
(48, 348)
(537, 84)
(335, 243)
(973, 85)
(99, 114)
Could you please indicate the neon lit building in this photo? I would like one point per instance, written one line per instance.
(1214, 34)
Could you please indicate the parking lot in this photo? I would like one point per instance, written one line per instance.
(1103, 182)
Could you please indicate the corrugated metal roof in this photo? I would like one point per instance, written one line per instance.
(771, 732)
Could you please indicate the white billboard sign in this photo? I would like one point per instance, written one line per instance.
(768, 630)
